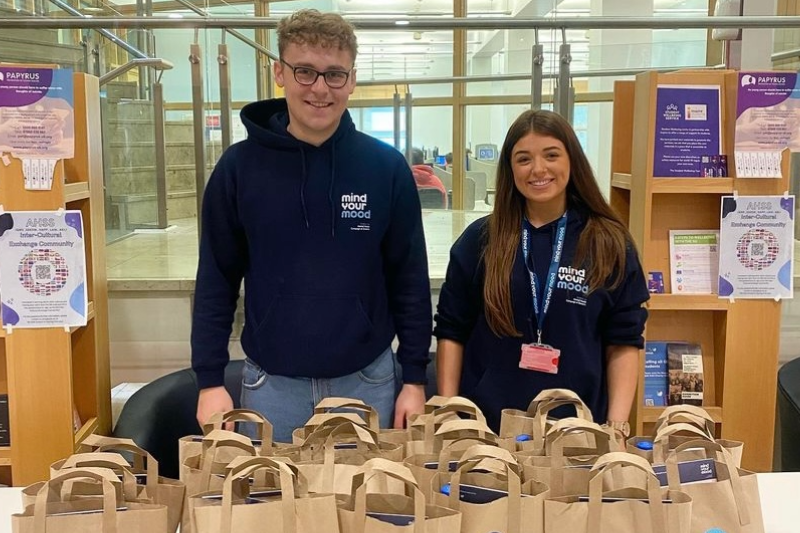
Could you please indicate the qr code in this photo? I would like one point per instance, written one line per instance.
(757, 248)
(43, 272)
(648, 402)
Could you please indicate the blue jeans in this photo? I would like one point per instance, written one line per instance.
(288, 402)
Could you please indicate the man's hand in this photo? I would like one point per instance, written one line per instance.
(410, 401)
(213, 400)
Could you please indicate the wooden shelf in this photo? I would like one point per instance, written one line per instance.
(76, 191)
(687, 302)
(5, 455)
(693, 185)
(87, 429)
(621, 180)
(651, 414)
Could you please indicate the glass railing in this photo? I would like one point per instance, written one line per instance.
(391, 62)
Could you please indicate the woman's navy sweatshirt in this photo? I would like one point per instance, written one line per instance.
(579, 325)
(330, 244)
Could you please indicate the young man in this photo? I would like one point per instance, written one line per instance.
(324, 225)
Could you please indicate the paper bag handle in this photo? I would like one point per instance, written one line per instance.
(112, 461)
(382, 467)
(610, 462)
(51, 491)
(243, 471)
(367, 412)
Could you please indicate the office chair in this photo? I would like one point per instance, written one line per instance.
(789, 415)
(430, 198)
(163, 411)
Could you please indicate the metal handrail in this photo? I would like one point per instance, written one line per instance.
(417, 23)
(242, 37)
(786, 54)
(155, 62)
(132, 50)
(600, 73)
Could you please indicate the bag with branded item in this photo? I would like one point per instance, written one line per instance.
(207, 470)
(153, 487)
(278, 502)
(372, 509)
(671, 436)
(124, 483)
(191, 445)
(641, 507)
(57, 509)
(444, 458)
(331, 456)
(565, 468)
(525, 430)
(699, 417)
(488, 491)
(422, 429)
(724, 498)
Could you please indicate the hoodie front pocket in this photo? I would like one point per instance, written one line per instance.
(313, 324)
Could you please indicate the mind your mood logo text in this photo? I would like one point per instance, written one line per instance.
(355, 206)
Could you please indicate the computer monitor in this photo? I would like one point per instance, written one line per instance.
(440, 160)
(486, 152)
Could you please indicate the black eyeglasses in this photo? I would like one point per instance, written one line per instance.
(335, 79)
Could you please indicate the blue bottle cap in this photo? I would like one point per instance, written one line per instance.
(644, 445)
(523, 438)
(445, 489)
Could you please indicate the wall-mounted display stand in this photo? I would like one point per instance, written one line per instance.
(739, 339)
(51, 373)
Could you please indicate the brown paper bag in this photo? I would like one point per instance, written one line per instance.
(448, 431)
(671, 436)
(365, 511)
(57, 512)
(424, 466)
(567, 469)
(154, 488)
(641, 510)
(290, 510)
(339, 410)
(534, 422)
(687, 414)
(523, 504)
(191, 445)
(422, 427)
(207, 470)
(731, 503)
(330, 457)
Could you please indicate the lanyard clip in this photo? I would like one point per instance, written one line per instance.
(538, 336)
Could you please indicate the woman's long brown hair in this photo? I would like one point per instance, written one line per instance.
(602, 245)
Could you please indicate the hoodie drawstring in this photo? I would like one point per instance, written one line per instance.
(303, 186)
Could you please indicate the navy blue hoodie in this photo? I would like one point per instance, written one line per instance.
(330, 244)
(580, 326)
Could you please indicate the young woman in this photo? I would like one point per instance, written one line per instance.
(545, 292)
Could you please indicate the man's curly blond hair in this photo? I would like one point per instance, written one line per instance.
(311, 27)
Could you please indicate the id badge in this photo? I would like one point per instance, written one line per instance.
(539, 357)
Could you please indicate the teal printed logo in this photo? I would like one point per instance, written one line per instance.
(572, 279)
(355, 206)
(715, 530)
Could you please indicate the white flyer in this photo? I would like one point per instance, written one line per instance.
(693, 261)
(43, 269)
(757, 246)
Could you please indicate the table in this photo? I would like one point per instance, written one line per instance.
(779, 502)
